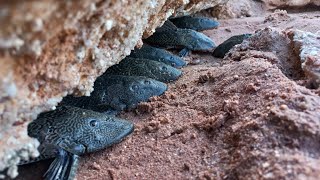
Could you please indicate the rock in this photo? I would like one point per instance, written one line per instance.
(237, 9)
(307, 46)
(49, 49)
(273, 45)
(296, 53)
(290, 3)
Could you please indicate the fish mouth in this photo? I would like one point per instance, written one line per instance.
(128, 128)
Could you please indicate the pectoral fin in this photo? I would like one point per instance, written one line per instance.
(184, 52)
(72, 147)
(58, 166)
(72, 167)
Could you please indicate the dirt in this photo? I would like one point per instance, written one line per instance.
(221, 120)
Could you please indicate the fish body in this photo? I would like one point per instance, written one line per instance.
(68, 132)
(114, 93)
(169, 36)
(157, 54)
(194, 23)
(125, 92)
(224, 47)
(145, 67)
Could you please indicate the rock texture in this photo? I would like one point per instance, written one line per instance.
(238, 9)
(290, 3)
(49, 49)
(307, 47)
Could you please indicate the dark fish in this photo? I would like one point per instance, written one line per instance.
(224, 47)
(169, 36)
(114, 93)
(145, 67)
(125, 92)
(157, 54)
(194, 23)
(68, 132)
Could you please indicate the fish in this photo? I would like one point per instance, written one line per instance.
(224, 47)
(115, 93)
(169, 36)
(194, 23)
(145, 67)
(68, 132)
(125, 92)
(158, 54)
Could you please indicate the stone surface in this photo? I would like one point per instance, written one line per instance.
(290, 3)
(238, 9)
(49, 49)
(307, 46)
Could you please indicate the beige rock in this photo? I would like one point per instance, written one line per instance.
(237, 9)
(307, 46)
(290, 3)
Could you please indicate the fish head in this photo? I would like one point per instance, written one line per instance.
(96, 131)
(199, 41)
(142, 88)
(206, 23)
(164, 72)
(174, 60)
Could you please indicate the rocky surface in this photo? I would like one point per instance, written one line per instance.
(290, 3)
(49, 49)
(251, 115)
(307, 47)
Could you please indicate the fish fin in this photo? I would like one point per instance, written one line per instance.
(167, 26)
(71, 168)
(72, 147)
(57, 166)
(184, 52)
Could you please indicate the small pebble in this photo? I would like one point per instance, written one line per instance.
(96, 166)
(283, 107)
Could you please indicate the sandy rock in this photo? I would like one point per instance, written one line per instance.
(49, 49)
(237, 9)
(307, 46)
(296, 53)
(273, 45)
(290, 3)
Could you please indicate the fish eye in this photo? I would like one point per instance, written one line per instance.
(164, 68)
(171, 58)
(134, 87)
(93, 123)
(147, 82)
(173, 64)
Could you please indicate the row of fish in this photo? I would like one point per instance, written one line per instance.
(82, 125)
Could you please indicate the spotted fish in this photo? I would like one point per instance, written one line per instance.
(157, 54)
(224, 47)
(69, 132)
(194, 23)
(169, 36)
(145, 67)
(116, 92)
